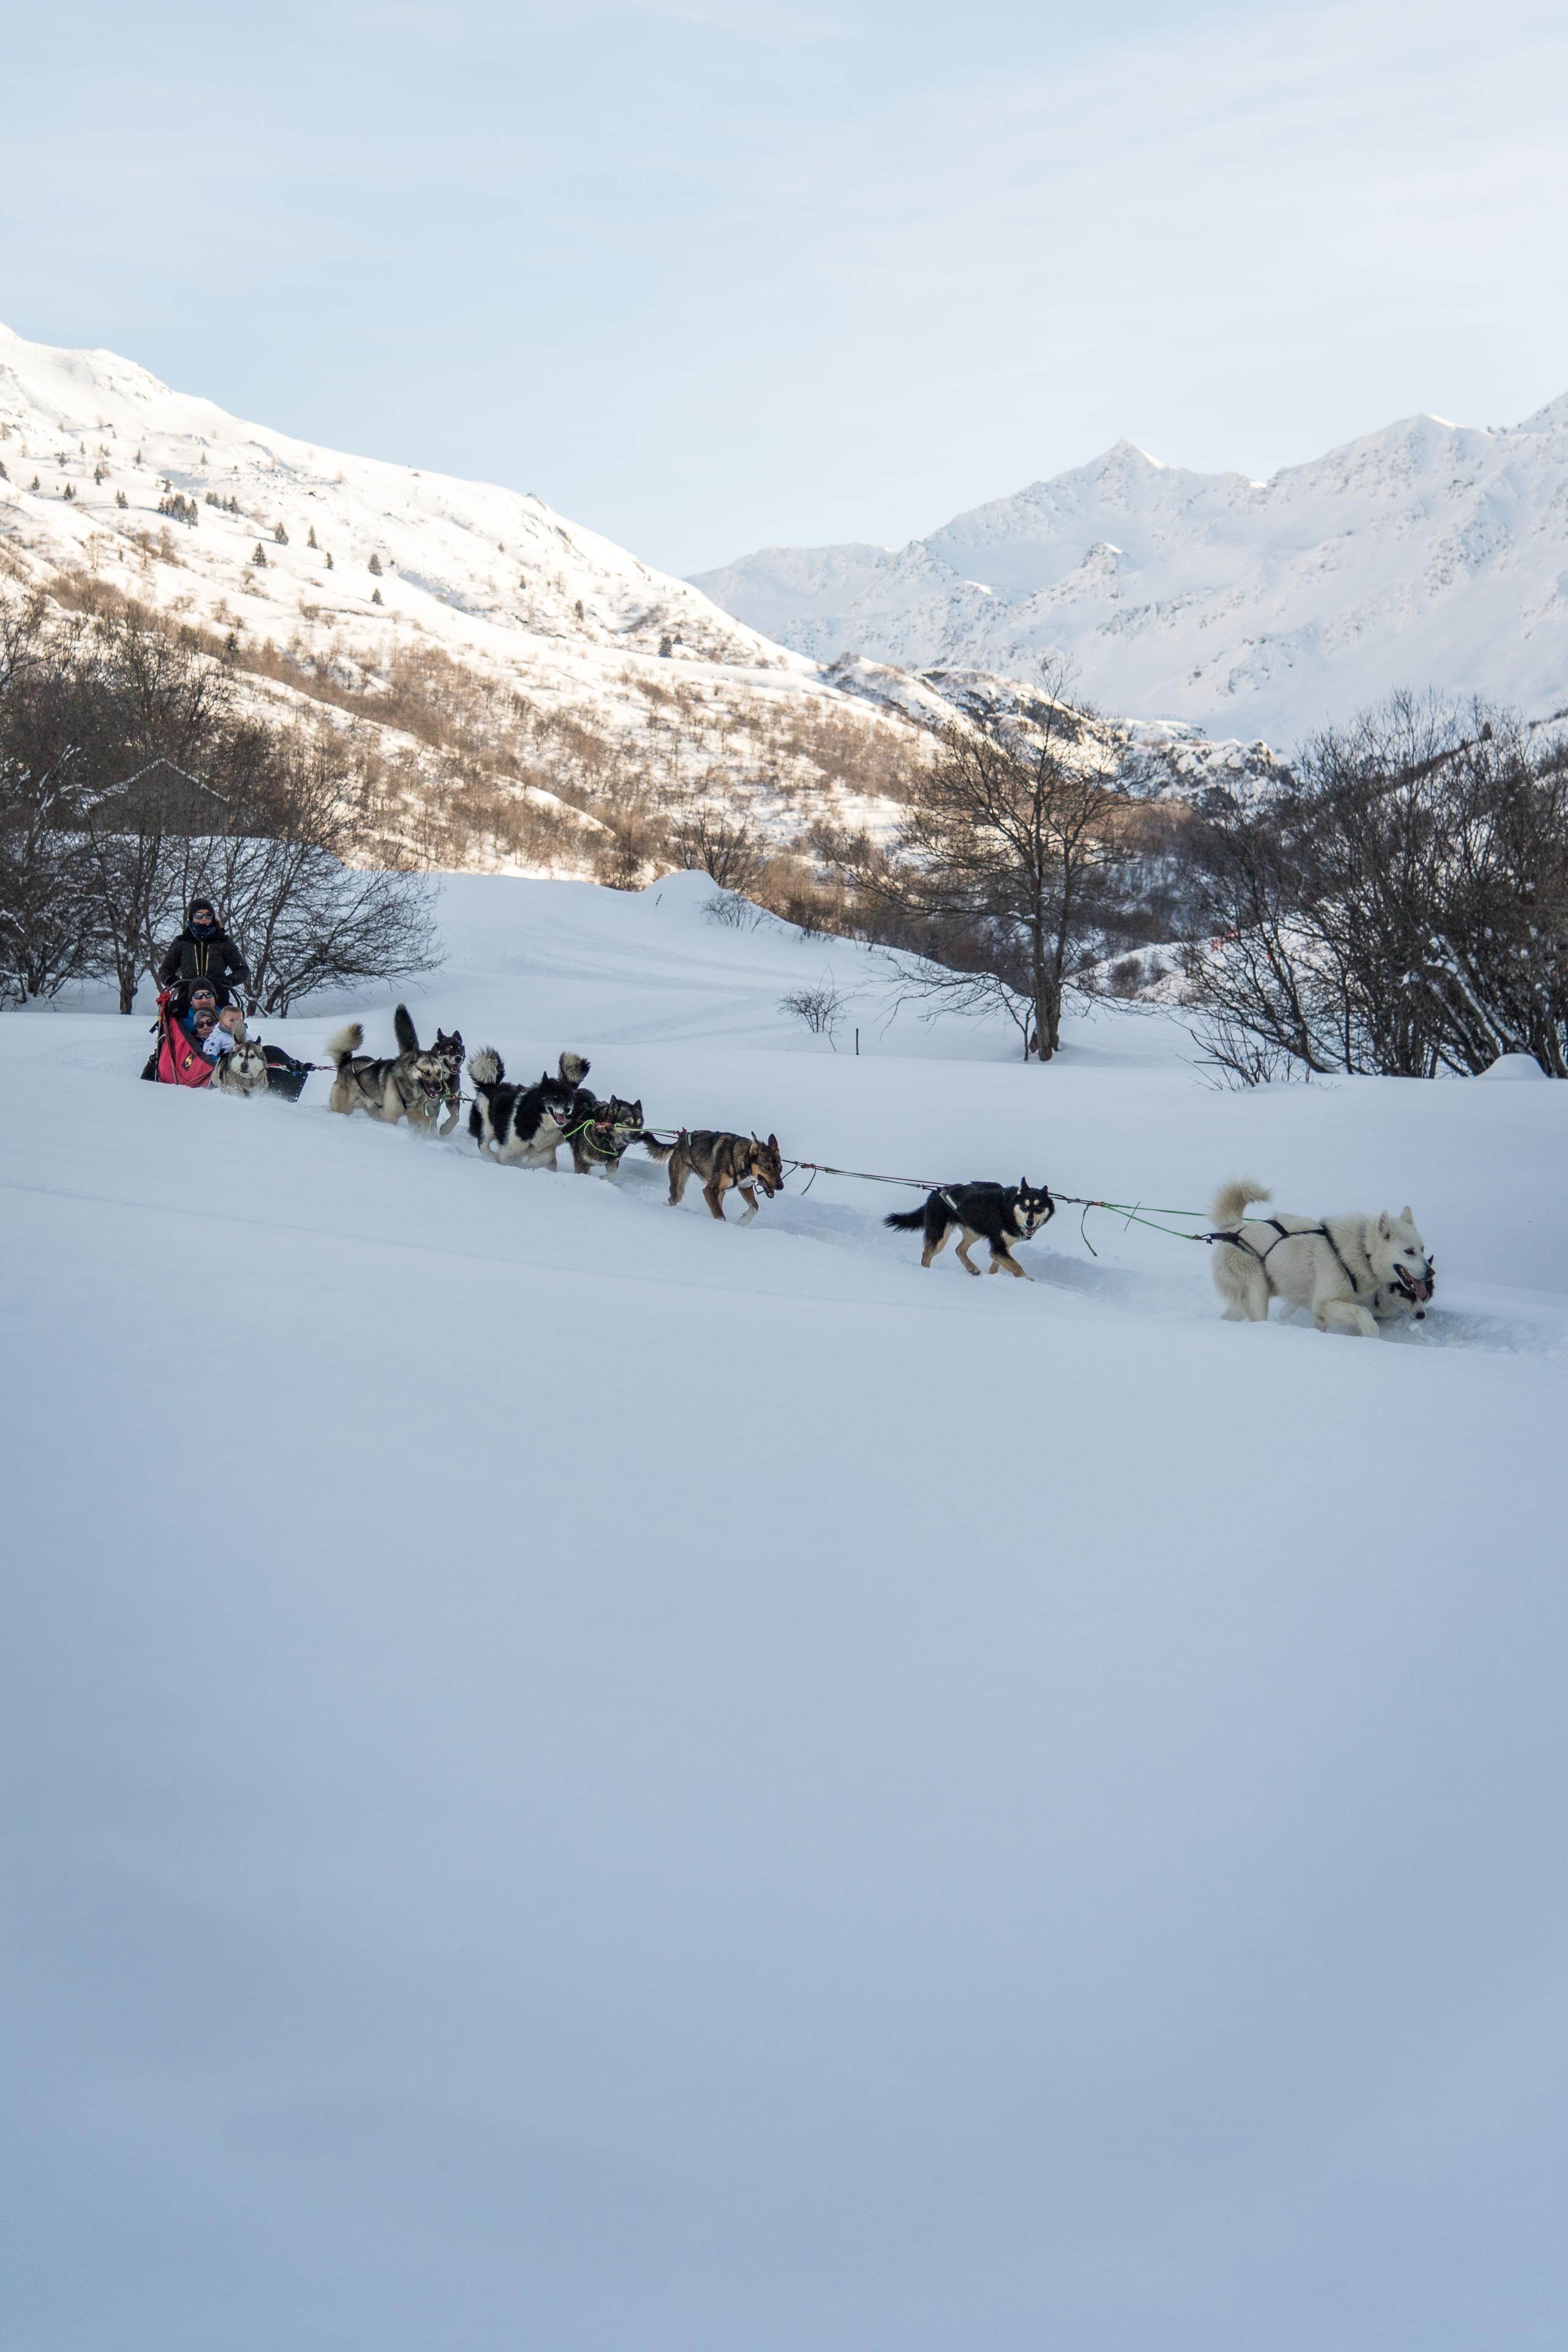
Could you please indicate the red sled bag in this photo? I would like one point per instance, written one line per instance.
(181, 1062)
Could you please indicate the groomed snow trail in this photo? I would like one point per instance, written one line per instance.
(579, 1779)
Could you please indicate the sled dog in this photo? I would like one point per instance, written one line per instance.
(523, 1127)
(410, 1084)
(1349, 1272)
(601, 1131)
(722, 1163)
(998, 1214)
(448, 1051)
(243, 1072)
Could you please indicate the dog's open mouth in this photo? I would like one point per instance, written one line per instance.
(1416, 1288)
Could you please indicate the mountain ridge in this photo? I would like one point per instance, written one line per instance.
(1426, 553)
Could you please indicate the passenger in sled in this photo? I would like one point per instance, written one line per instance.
(192, 1043)
(193, 1038)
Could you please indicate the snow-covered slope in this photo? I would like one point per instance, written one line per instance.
(578, 1778)
(96, 452)
(1426, 554)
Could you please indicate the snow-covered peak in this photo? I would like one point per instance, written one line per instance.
(1426, 553)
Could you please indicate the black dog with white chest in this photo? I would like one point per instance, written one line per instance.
(998, 1214)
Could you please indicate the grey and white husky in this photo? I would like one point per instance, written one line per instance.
(1350, 1272)
(407, 1085)
(243, 1072)
(522, 1127)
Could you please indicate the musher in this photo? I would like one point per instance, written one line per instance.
(203, 950)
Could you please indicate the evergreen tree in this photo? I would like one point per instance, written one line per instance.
(310, 541)
(119, 498)
(258, 556)
(329, 563)
(280, 535)
(35, 482)
(375, 565)
(375, 596)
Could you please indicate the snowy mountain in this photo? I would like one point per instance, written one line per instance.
(341, 564)
(578, 1777)
(1428, 554)
(332, 571)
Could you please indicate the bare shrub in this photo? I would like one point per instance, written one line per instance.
(734, 913)
(820, 1008)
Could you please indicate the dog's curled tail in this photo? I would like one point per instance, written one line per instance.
(344, 1042)
(485, 1068)
(405, 1032)
(1232, 1202)
(575, 1068)
(907, 1221)
(654, 1148)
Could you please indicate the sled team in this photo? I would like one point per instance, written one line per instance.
(1350, 1272)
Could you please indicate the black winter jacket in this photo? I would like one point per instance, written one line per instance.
(191, 957)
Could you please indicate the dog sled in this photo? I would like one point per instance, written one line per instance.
(176, 1061)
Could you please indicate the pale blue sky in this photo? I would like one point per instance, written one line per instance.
(710, 274)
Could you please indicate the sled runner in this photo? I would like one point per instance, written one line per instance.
(285, 1076)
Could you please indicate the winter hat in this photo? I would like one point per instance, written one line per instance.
(201, 906)
(201, 988)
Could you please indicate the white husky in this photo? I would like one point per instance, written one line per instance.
(1348, 1272)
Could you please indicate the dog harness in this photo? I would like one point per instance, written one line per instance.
(1288, 1233)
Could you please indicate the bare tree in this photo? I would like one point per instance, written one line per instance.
(725, 848)
(1400, 905)
(1002, 870)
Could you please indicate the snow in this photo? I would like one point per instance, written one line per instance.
(1424, 554)
(580, 1778)
(488, 577)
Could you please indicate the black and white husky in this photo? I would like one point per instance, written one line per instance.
(998, 1214)
(522, 1127)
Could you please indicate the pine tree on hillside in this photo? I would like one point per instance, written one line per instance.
(310, 541)
(375, 565)
(119, 498)
(4, 477)
(280, 535)
(577, 608)
(329, 563)
(35, 482)
(258, 556)
(375, 596)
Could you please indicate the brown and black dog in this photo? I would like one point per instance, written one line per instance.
(722, 1163)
